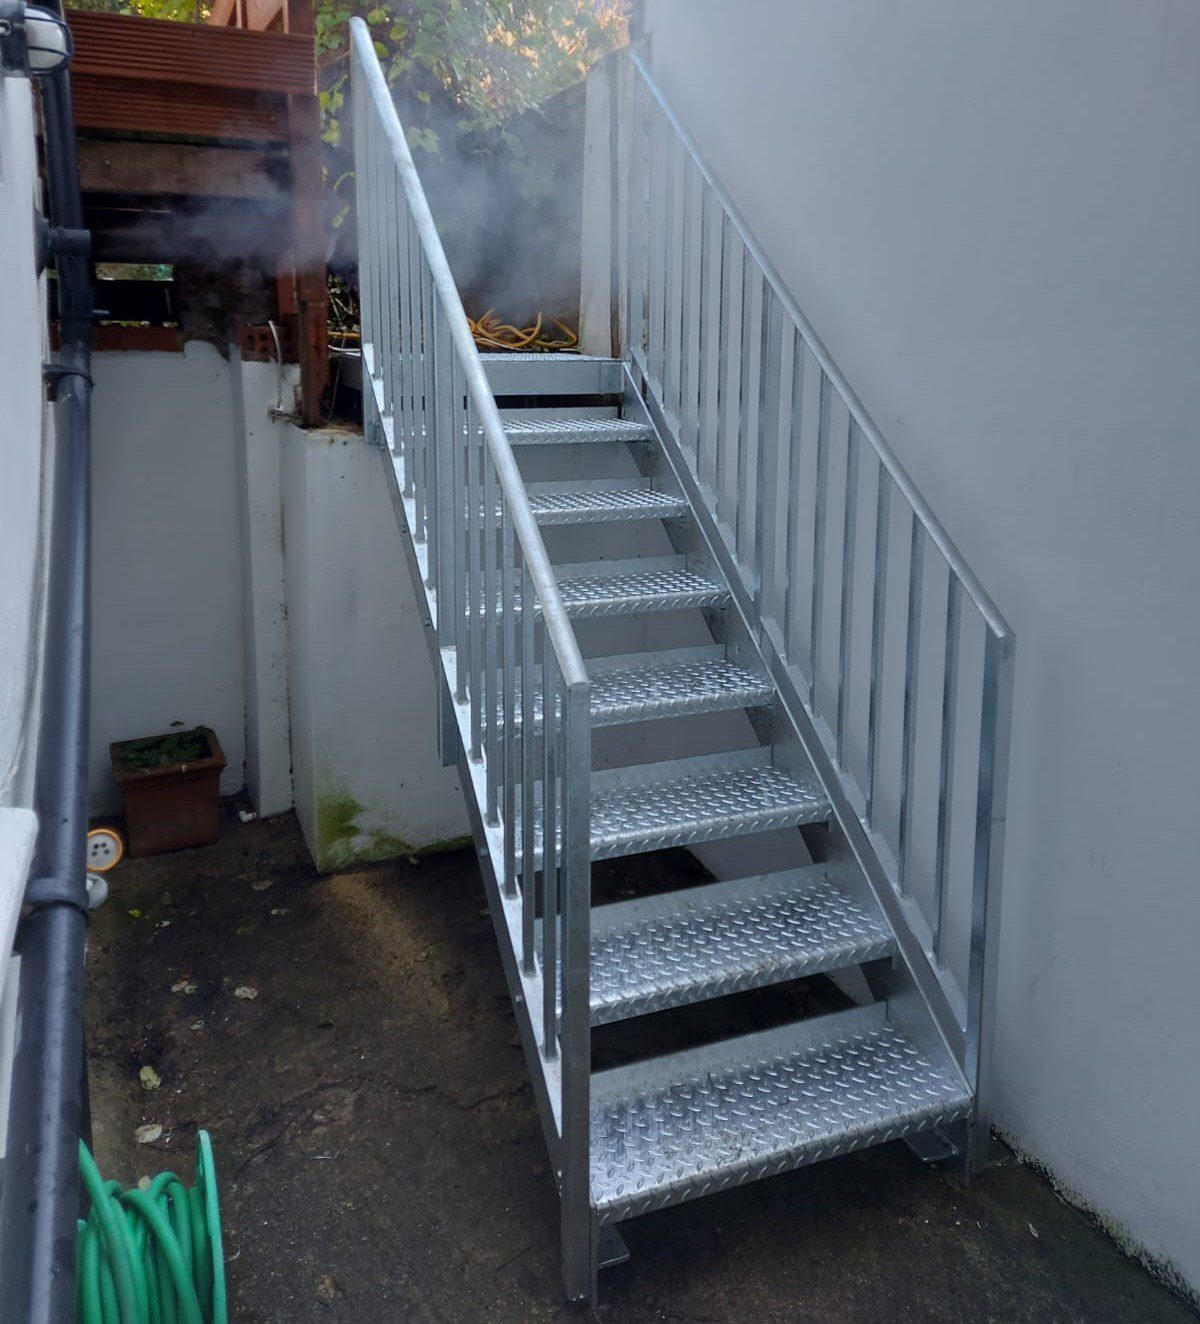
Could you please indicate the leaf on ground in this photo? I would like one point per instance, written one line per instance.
(149, 1078)
(148, 1134)
(262, 884)
(245, 992)
(183, 986)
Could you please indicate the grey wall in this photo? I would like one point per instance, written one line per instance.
(367, 778)
(991, 213)
(167, 629)
(22, 454)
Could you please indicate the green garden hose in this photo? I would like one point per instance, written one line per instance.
(152, 1255)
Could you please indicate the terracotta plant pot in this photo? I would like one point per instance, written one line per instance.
(171, 802)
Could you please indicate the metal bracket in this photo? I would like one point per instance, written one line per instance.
(611, 1249)
(932, 1146)
(50, 891)
(53, 374)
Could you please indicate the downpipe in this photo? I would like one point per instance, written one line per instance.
(39, 1192)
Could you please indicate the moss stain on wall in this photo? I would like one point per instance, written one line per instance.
(341, 842)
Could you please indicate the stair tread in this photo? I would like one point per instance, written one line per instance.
(706, 942)
(672, 689)
(569, 429)
(639, 590)
(689, 801)
(626, 591)
(603, 504)
(699, 1122)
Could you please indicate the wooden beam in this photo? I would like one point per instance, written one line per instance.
(158, 51)
(179, 169)
(312, 292)
(262, 15)
(117, 104)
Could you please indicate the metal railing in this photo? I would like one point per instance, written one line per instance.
(502, 635)
(893, 661)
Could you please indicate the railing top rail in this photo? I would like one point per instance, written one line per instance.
(554, 614)
(987, 609)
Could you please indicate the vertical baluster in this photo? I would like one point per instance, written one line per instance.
(991, 800)
(550, 718)
(669, 184)
(362, 190)
(527, 718)
(376, 197)
(476, 604)
(849, 545)
(460, 552)
(728, 376)
(706, 340)
(878, 617)
(576, 873)
(420, 388)
(389, 183)
(747, 479)
(687, 311)
(508, 633)
(912, 660)
(655, 253)
(403, 424)
(637, 219)
(946, 757)
(491, 660)
(416, 426)
(766, 467)
(820, 494)
(439, 435)
(794, 443)
(432, 450)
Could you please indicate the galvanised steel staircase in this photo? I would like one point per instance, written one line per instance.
(700, 606)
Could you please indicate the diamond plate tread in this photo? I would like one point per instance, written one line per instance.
(570, 431)
(545, 356)
(716, 1126)
(629, 592)
(684, 689)
(605, 505)
(637, 591)
(726, 802)
(726, 938)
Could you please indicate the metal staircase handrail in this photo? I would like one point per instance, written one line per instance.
(764, 432)
(491, 591)
(904, 484)
(512, 485)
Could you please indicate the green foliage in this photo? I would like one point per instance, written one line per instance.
(180, 11)
(163, 751)
(474, 62)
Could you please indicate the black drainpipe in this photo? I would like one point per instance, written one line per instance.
(39, 1191)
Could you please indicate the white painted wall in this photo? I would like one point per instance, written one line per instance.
(991, 213)
(259, 439)
(167, 627)
(26, 446)
(23, 452)
(250, 576)
(366, 774)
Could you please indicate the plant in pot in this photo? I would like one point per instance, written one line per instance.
(171, 788)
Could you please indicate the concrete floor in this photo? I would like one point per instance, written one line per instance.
(381, 1159)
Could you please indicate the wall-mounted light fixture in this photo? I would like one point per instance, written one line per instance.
(34, 41)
